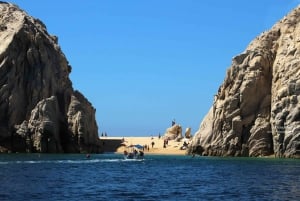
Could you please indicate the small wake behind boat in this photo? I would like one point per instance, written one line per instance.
(134, 152)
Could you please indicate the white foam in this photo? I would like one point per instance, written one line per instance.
(69, 161)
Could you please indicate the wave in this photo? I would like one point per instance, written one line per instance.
(68, 161)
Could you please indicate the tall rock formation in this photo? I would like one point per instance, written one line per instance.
(39, 110)
(256, 111)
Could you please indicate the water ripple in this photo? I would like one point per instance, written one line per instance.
(109, 177)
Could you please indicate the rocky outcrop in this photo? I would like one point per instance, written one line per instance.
(256, 111)
(39, 110)
(174, 132)
(188, 133)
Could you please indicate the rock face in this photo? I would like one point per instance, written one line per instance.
(256, 111)
(174, 132)
(39, 110)
(187, 133)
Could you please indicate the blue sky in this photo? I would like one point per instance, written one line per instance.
(143, 63)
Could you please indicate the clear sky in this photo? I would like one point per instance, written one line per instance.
(144, 63)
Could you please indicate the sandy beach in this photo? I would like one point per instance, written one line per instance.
(172, 148)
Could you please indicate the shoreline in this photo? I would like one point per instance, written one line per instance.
(173, 147)
(158, 148)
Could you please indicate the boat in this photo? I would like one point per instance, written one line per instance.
(134, 152)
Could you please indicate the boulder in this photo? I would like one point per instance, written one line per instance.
(174, 132)
(188, 133)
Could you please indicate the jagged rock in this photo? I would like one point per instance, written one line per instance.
(187, 133)
(174, 132)
(256, 110)
(80, 116)
(39, 110)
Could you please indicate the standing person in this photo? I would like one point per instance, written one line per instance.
(152, 143)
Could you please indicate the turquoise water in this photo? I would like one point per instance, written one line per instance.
(109, 177)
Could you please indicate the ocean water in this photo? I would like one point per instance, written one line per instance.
(109, 177)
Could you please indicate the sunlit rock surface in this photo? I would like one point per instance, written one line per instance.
(39, 110)
(256, 111)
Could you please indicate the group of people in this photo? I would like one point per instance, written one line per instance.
(134, 155)
(104, 134)
(147, 147)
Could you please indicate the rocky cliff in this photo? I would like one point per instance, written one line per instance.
(39, 110)
(256, 111)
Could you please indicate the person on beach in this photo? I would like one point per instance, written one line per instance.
(152, 143)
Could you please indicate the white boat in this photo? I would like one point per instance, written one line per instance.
(134, 152)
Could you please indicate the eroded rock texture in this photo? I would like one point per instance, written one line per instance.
(174, 132)
(256, 111)
(39, 110)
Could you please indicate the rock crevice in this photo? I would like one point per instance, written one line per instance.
(39, 109)
(256, 110)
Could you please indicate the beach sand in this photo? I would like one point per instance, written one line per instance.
(173, 147)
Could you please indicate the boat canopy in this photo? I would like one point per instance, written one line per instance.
(138, 146)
